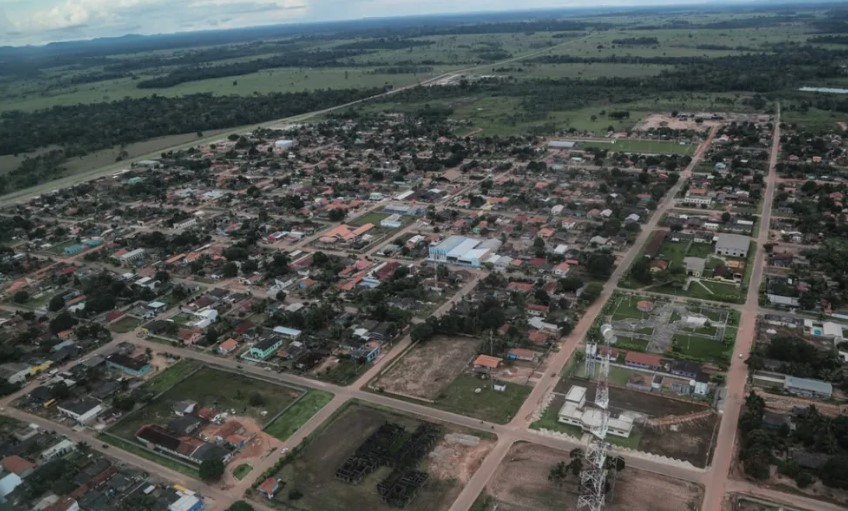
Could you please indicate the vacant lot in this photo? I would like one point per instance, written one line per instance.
(297, 415)
(521, 484)
(210, 387)
(428, 368)
(312, 470)
(468, 395)
(688, 441)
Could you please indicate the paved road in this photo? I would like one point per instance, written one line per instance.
(559, 360)
(737, 375)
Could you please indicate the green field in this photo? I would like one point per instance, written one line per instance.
(706, 350)
(639, 146)
(298, 413)
(369, 218)
(240, 394)
(489, 405)
(241, 471)
(171, 376)
(125, 325)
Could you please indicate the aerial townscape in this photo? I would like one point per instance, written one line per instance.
(559, 259)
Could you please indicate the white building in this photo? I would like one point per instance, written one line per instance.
(60, 449)
(573, 412)
(82, 411)
(391, 222)
(8, 482)
(284, 144)
(733, 245)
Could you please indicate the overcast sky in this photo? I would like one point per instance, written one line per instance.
(40, 21)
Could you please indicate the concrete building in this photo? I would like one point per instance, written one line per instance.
(132, 366)
(14, 372)
(8, 482)
(807, 387)
(573, 412)
(732, 245)
(265, 347)
(464, 251)
(391, 222)
(82, 410)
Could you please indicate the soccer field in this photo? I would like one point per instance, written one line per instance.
(639, 146)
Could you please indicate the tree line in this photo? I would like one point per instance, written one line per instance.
(88, 127)
(320, 58)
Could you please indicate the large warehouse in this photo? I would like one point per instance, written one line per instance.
(463, 250)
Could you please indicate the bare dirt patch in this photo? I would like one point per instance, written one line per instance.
(457, 457)
(429, 367)
(664, 120)
(689, 441)
(521, 484)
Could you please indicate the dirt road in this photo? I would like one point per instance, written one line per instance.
(737, 375)
(522, 418)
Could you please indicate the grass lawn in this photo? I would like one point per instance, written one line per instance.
(170, 376)
(241, 471)
(703, 349)
(489, 405)
(617, 375)
(136, 449)
(630, 344)
(631, 442)
(700, 250)
(639, 146)
(369, 218)
(343, 373)
(625, 308)
(125, 325)
(550, 421)
(239, 394)
(297, 415)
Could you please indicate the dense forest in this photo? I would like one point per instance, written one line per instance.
(323, 58)
(83, 128)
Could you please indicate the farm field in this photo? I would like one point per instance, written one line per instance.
(311, 470)
(521, 484)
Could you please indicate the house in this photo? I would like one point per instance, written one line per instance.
(522, 354)
(186, 407)
(561, 270)
(60, 449)
(269, 487)
(8, 482)
(694, 266)
(288, 333)
(134, 366)
(14, 373)
(643, 360)
(228, 346)
(82, 410)
(184, 425)
(17, 465)
(732, 245)
(807, 387)
(486, 363)
(265, 347)
(686, 369)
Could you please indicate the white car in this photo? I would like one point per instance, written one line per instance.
(740, 355)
